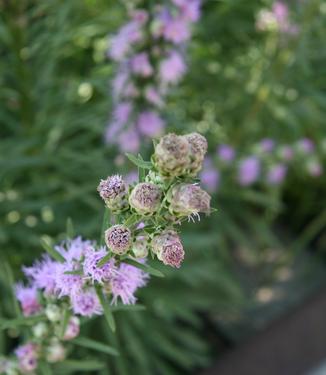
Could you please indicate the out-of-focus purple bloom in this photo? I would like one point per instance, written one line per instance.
(314, 168)
(129, 141)
(68, 284)
(267, 145)
(72, 329)
(249, 170)
(27, 357)
(93, 271)
(150, 124)
(210, 176)
(276, 174)
(122, 112)
(190, 9)
(74, 249)
(120, 82)
(226, 153)
(125, 283)
(286, 153)
(112, 131)
(153, 97)
(306, 145)
(131, 177)
(172, 68)
(27, 296)
(42, 273)
(86, 303)
(176, 30)
(141, 65)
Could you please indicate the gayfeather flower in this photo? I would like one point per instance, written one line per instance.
(27, 296)
(74, 249)
(150, 124)
(226, 153)
(93, 271)
(172, 68)
(141, 65)
(72, 329)
(176, 30)
(286, 153)
(306, 145)
(276, 174)
(249, 170)
(86, 303)
(68, 284)
(42, 273)
(267, 145)
(27, 356)
(129, 141)
(126, 282)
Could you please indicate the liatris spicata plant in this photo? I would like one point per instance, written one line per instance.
(83, 279)
(149, 50)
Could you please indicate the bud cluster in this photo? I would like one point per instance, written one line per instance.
(167, 195)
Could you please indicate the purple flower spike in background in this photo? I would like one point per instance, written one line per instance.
(306, 145)
(267, 145)
(28, 298)
(276, 174)
(226, 153)
(150, 124)
(249, 170)
(210, 176)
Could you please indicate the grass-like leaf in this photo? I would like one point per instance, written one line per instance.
(19, 322)
(104, 260)
(70, 230)
(151, 270)
(107, 311)
(95, 345)
(78, 365)
(51, 251)
(139, 162)
(105, 225)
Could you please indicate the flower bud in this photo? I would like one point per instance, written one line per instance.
(113, 191)
(72, 329)
(198, 149)
(55, 352)
(168, 248)
(53, 313)
(118, 239)
(172, 155)
(145, 198)
(40, 330)
(140, 246)
(188, 199)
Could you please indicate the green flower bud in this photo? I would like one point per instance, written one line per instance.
(145, 198)
(172, 155)
(188, 199)
(53, 313)
(140, 246)
(40, 330)
(55, 352)
(198, 149)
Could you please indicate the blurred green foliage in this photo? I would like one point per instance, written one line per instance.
(242, 85)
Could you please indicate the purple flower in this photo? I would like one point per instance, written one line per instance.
(86, 303)
(190, 9)
(68, 284)
(72, 329)
(210, 176)
(226, 153)
(42, 273)
(131, 177)
(276, 174)
(129, 141)
(176, 30)
(119, 83)
(153, 97)
(267, 145)
(172, 68)
(73, 250)
(150, 124)
(286, 153)
(122, 112)
(141, 65)
(93, 271)
(27, 296)
(27, 357)
(249, 170)
(126, 282)
(306, 145)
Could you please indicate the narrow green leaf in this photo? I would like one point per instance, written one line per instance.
(132, 220)
(65, 322)
(92, 344)
(107, 311)
(51, 251)
(105, 225)
(144, 267)
(139, 162)
(11, 282)
(141, 171)
(104, 260)
(121, 307)
(76, 272)
(44, 368)
(79, 365)
(24, 321)
(70, 228)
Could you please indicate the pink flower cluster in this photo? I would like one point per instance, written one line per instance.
(267, 163)
(149, 51)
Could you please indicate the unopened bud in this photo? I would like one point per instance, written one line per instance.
(113, 191)
(172, 155)
(198, 149)
(40, 330)
(73, 328)
(140, 246)
(55, 352)
(53, 313)
(188, 199)
(168, 248)
(145, 198)
(118, 239)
